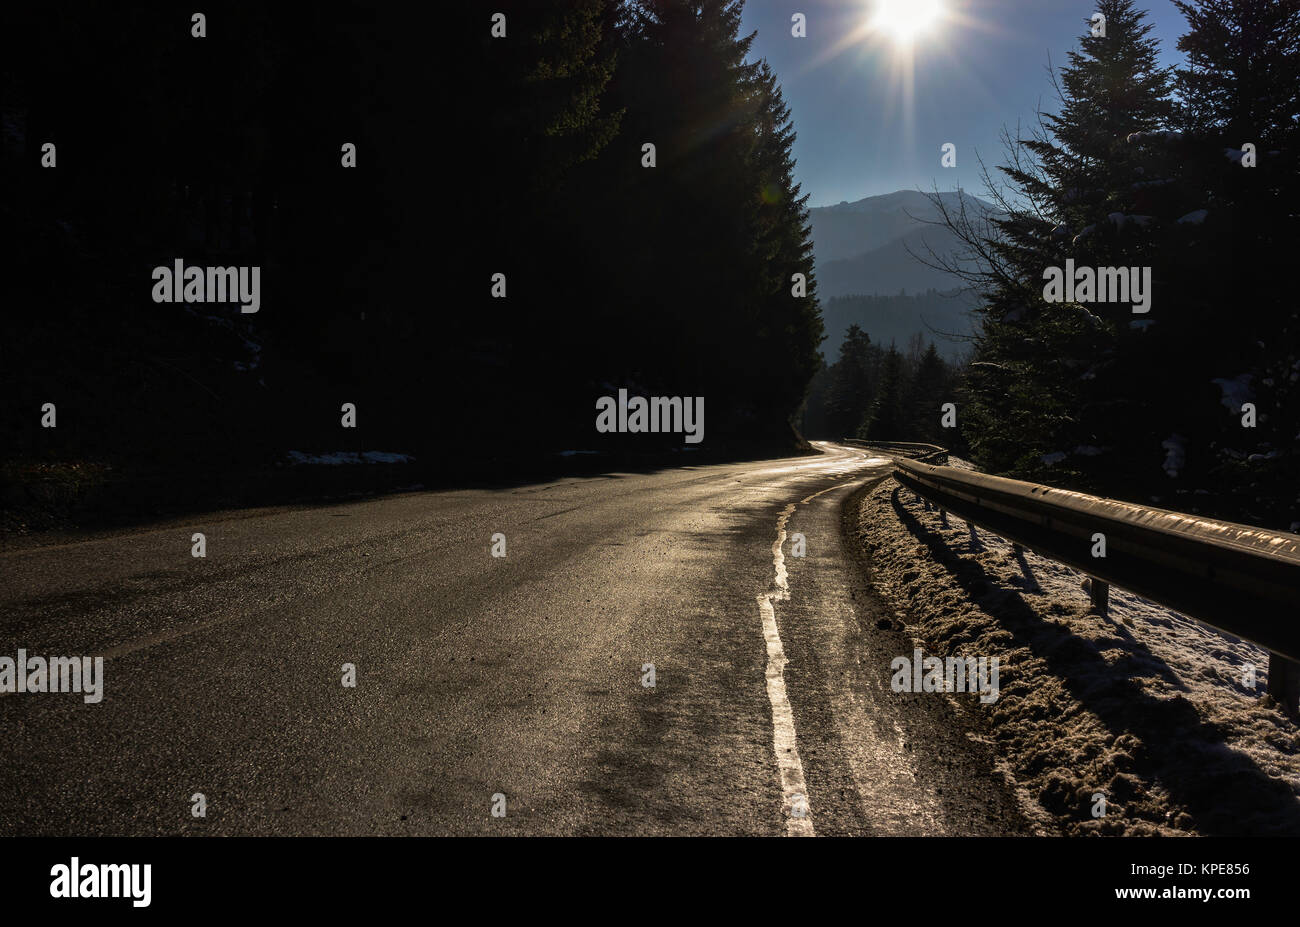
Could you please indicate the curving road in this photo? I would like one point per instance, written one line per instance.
(478, 676)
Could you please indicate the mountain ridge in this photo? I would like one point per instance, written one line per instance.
(865, 256)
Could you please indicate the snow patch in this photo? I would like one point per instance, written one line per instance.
(341, 458)
(1163, 136)
(1167, 716)
(1256, 458)
(1235, 391)
(1121, 220)
(1175, 454)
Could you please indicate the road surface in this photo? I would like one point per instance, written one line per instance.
(512, 684)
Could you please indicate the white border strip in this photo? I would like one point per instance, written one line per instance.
(794, 798)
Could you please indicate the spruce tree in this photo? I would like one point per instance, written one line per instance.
(929, 390)
(1241, 86)
(1048, 378)
(782, 325)
(706, 241)
(852, 383)
(1242, 75)
(885, 419)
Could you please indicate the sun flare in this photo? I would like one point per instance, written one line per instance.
(907, 20)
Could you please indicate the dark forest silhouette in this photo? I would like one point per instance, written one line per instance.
(1139, 166)
(524, 155)
(475, 156)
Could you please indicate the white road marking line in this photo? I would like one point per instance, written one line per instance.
(793, 788)
(821, 492)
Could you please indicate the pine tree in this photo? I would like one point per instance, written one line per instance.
(783, 328)
(1242, 85)
(1050, 377)
(705, 242)
(929, 389)
(885, 419)
(852, 382)
(1243, 69)
(1112, 87)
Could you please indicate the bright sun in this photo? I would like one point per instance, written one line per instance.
(906, 19)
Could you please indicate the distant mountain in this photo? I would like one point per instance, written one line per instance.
(862, 247)
(851, 229)
(890, 267)
(866, 248)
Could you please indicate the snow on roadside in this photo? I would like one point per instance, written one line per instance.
(1146, 706)
(341, 458)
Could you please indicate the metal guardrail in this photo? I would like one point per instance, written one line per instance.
(930, 453)
(1240, 579)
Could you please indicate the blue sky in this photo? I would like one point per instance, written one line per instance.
(983, 66)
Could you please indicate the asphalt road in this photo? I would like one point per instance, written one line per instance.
(479, 676)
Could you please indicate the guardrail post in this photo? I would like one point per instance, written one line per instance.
(1284, 682)
(1099, 590)
(1231, 577)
